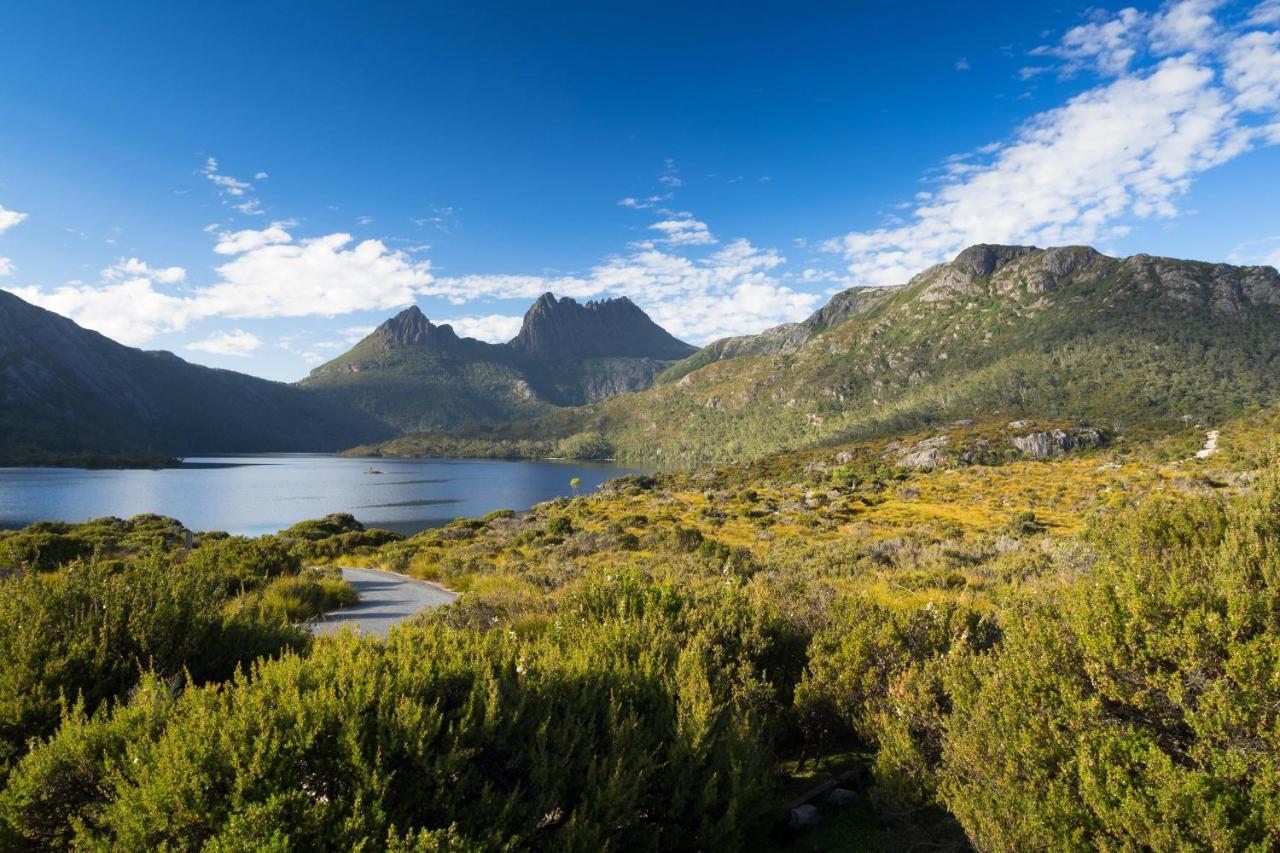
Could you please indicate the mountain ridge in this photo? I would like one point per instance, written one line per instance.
(64, 388)
(412, 374)
(1063, 332)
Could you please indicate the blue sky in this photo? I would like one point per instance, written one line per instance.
(255, 185)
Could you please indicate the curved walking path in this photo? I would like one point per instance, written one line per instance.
(386, 600)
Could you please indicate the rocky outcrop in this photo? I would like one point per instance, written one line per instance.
(924, 454)
(1223, 288)
(1055, 442)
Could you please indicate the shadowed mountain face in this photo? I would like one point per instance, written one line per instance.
(416, 376)
(65, 388)
(560, 330)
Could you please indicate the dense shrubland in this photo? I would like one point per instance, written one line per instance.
(89, 609)
(1072, 654)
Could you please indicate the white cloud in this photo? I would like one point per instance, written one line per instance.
(683, 230)
(131, 312)
(494, 328)
(670, 176)
(1123, 151)
(734, 291)
(6, 266)
(9, 218)
(1253, 71)
(1265, 14)
(261, 176)
(238, 242)
(132, 268)
(236, 342)
(225, 183)
(324, 276)
(1185, 25)
(644, 203)
(1108, 44)
(962, 64)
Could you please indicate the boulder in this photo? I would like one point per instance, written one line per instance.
(922, 454)
(804, 817)
(841, 797)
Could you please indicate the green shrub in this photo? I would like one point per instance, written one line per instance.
(559, 525)
(92, 629)
(625, 736)
(1142, 712)
(586, 445)
(1025, 523)
(303, 597)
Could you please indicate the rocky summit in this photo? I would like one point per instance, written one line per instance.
(416, 376)
(560, 330)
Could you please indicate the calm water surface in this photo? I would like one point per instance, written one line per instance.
(259, 494)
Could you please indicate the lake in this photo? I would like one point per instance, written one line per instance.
(258, 494)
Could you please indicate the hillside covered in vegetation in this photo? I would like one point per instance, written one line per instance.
(1071, 652)
(1001, 331)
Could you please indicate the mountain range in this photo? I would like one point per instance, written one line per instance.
(413, 375)
(1064, 333)
(65, 389)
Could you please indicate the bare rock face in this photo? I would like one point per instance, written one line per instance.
(1042, 271)
(923, 454)
(984, 259)
(1221, 288)
(562, 329)
(1043, 445)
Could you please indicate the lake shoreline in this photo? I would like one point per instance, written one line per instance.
(253, 495)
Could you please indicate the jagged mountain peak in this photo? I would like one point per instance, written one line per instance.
(412, 328)
(562, 328)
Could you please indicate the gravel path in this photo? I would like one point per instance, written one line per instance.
(386, 600)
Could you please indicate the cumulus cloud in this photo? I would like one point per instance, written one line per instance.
(325, 276)
(1110, 44)
(683, 230)
(1253, 71)
(1265, 14)
(9, 218)
(1185, 25)
(494, 328)
(132, 268)
(238, 242)
(132, 311)
(1122, 151)
(6, 266)
(236, 342)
